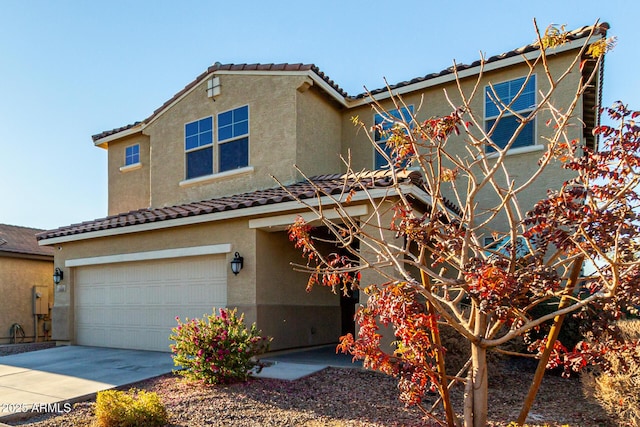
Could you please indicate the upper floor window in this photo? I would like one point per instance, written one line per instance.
(521, 94)
(209, 152)
(383, 124)
(233, 139)
(198, 145)
(132, 155)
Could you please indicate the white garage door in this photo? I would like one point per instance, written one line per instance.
(134, 304)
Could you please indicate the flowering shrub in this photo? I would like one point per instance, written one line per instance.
(218, 348)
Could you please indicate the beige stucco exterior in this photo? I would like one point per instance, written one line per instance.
(432, 102)
(18, 276)
(293, 121)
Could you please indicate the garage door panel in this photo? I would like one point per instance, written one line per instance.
(134, 304)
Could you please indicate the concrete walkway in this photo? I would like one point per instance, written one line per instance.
(295, 364)
(41, 379)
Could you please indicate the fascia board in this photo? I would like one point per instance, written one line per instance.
(278, 221)
(317, 80)
(102, 142)
(490, 66)
(292, 206)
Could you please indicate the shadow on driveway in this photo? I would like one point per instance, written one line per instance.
(72, 373)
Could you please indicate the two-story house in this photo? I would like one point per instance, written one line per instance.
(191, 190)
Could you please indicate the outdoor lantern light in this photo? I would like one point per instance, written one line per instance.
(236, 263)
(57, 275)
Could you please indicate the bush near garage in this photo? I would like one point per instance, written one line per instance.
(217, 349)
(616, 388)
(135, 408)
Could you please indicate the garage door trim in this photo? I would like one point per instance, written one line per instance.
(151, 255)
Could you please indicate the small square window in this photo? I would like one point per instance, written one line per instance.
(132, 155)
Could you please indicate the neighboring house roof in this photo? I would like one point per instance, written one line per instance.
(21, 241)
(334, 184)
(600, 30)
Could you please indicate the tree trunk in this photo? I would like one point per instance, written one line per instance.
(479, 389)
(552, 337)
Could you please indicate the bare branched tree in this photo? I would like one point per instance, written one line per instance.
(460, 234)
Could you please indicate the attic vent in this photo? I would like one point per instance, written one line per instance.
(213, 87)
(2, 241)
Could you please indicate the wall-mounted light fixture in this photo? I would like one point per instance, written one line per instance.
(237, 263)
(57, 275)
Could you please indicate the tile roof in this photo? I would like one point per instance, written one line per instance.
(579, 33)
(228, 67)
(329, 184)
(21, 240)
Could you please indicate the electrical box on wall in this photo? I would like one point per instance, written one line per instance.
(40, 300)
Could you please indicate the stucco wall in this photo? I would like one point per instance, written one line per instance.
(128, 188)
(272, 138)
(319, 132)
(434, 103)
(17, 278)
(294, 317)
(241, 291)
(267, 290)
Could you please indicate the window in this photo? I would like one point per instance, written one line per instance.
(208, 153)
(233, 139)
(132, 155)
(198, 144)
(503, 246)
(386, 122)
(506, 93)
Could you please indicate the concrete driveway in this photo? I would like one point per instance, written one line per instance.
(44, 380)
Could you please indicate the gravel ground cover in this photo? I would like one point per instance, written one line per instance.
(341, 397)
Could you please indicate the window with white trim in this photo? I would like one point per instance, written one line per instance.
(132, 155)
(496, 101)
(383, 124)
(198, 145)
(233, 139)
(208, 152)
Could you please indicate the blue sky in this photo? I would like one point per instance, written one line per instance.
(71, 69)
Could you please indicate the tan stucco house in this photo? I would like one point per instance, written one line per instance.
(191, 187)
(26, 285)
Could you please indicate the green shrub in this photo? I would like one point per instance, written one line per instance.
(217, 349)
(616, 389)
(135, 408)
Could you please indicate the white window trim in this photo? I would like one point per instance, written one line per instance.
(232, 139)
(125, 155)
(215, 144)
(131, 167)
(216, 176)
(517, 150)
